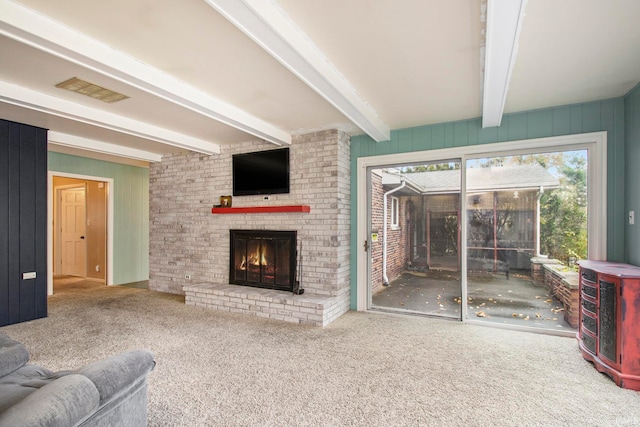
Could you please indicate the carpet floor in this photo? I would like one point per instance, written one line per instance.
(365, 369)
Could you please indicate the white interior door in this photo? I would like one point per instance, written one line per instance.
(72, 231)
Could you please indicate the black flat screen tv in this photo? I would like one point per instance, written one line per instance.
(262, 172)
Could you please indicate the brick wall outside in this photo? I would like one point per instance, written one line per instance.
(397, 238)
(376, 226)
(397, 255)
(185, 238)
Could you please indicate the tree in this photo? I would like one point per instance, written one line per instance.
(563, 213)
(432, 167)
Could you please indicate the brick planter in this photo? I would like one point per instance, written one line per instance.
(562, 284)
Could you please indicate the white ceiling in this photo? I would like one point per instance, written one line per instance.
(199, 80)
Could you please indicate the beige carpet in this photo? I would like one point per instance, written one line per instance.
(217, 368)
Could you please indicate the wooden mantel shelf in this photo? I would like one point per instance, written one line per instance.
(261, 209)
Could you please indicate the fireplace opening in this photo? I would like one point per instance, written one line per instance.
(263, 259)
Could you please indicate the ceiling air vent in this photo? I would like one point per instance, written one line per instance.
(90, 89)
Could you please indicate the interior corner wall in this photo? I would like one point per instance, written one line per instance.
(632, 175)
(131, 211)
(606, 115)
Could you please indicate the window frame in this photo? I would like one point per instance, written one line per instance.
(395, 213)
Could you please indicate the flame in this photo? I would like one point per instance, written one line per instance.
(259, 257)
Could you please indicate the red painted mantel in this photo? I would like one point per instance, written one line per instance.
(261, 209)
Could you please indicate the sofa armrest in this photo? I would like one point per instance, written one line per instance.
(13, 355)
(63, 402)
(115, 374)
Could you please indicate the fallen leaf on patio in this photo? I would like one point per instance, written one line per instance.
(548, 300)
(402, 304)
(538, 315)
(509, 291)
(481, 314)
(499, 295)
(526, 318)
(558, 309)
(514, 314)
(555, 318)
(490, 299)
(520, 315)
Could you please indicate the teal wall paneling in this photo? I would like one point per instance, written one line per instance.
(561, 121)
(421, 139)
(437, 137)
(632, 160)
(460, 134)
(405, 140)
(606, 115)
(131, 211)
(517, 128)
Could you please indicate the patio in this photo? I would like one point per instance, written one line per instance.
(492, 297)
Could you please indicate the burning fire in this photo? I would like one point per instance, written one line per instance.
(259, 257)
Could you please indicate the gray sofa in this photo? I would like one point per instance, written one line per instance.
(110, 392)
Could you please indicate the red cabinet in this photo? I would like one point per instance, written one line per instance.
(609, 334)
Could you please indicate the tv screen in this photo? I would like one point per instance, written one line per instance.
(263, 172)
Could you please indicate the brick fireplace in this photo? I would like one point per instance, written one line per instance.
(187, 240)
(263, 259)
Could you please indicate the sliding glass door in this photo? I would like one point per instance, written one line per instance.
(491, 239)
(526, 228)
(414, 238)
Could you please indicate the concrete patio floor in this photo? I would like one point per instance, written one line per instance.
(491, 298)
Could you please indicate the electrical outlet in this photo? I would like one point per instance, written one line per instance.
(187, 277)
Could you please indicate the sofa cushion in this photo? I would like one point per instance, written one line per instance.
(106, 393)
(24, 381)
(13, 355)
(64, 402)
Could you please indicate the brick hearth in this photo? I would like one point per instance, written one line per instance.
(306, 309)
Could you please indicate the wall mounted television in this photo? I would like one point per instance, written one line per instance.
(262, 172)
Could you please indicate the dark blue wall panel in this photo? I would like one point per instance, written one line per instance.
(23, 222)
